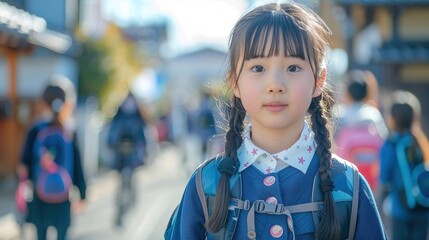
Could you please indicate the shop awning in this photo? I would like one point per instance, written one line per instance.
(19, 29)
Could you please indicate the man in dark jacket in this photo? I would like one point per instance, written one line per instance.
(128, 142)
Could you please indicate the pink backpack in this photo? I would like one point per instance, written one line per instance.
(361, 145)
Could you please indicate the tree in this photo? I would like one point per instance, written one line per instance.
(107, 67)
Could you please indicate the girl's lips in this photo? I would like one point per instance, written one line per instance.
(275, 106)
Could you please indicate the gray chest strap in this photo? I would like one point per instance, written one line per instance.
(261, 206)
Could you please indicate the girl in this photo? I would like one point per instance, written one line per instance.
(59, 99)
(277, 76)
(404, 122)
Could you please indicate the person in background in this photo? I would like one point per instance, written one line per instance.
(360, 104)
(202, 122)
(59, 100)
(361, 128)
(404, 122)
(277, 141)
(127, 139)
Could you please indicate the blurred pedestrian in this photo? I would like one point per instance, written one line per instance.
(360, 103)
(404, 123)
(361, 127)
(43, 154)
(128, 141)
(277, 160)
(202, 122)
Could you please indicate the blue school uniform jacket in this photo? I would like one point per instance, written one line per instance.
(290, 187)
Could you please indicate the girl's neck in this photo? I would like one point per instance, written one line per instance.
(274, 140)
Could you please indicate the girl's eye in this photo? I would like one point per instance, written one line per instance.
(294, 68)
(257, 68)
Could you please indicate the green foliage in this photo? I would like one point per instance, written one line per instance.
(92, 76)
(107, 67)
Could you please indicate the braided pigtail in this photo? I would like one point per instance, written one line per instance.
(329, 226)
(228, 167)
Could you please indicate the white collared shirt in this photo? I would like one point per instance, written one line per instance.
(299, 155)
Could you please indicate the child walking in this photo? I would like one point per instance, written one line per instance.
(59, 99)
(277, 178)
(404, 122)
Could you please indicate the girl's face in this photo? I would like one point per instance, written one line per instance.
(276, 91)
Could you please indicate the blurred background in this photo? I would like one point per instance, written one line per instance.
(170, 55)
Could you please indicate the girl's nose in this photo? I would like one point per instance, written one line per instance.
(276, 83)
(276, 90)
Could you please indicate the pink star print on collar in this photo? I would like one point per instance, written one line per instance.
(299, 155)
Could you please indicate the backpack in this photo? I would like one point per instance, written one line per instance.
(414, 193)
(361, 146)
(54, 155)
(206, 179)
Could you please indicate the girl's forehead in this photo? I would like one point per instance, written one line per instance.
(271, 42)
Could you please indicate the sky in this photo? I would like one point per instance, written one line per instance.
(193, 23)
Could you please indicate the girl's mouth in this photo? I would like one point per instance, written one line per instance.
(275, 106)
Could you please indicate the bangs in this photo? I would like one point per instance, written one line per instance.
(273, 32)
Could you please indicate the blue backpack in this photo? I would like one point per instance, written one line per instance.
(207, 177)
(54, 164)
(414, 193)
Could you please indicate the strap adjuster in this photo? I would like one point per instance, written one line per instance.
(239, 204)
(264, 207)
(246, 205)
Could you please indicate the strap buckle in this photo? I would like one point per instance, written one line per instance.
(239, 204)
(263, 207)
(246, 205)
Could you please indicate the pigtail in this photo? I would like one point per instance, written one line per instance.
(227, 167)
(329, 226)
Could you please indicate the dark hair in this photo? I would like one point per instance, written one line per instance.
(357, 86)
(58, 91)
(403, 116)
(304, 35)
(404, 110)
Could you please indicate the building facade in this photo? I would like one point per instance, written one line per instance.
(389, 38)
(35, 42)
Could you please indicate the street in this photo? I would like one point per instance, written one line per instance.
(159, 187)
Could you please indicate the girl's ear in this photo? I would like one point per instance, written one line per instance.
(234, 83)
(236, 92)
(320, 83)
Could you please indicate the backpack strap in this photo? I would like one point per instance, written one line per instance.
(404, 170)
(200, 189)
(206, 181)
(355, 203)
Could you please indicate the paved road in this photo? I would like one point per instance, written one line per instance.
(159, 189)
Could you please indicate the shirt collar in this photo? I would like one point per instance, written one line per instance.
(299, 155)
